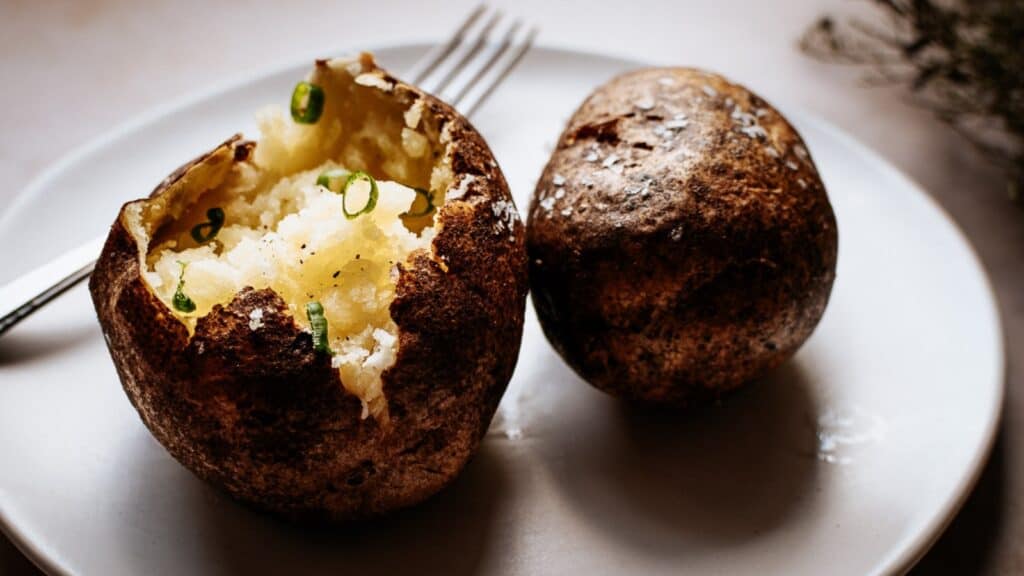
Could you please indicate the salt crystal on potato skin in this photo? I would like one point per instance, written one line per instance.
(259, 413)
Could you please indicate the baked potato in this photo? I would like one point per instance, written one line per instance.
(680, 239)
(322, 323)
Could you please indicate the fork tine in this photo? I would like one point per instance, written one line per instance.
(469, 53)
(472, 75)
(430, 61)
(466, 73)
(486, 85)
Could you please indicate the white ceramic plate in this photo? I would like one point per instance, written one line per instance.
(849, 460)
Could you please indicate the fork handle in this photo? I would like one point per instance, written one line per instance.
(30, 292)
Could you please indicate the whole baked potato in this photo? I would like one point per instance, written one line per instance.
(680, 239)
(322, 323)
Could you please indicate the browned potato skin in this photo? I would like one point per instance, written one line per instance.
(262, 416)
(714, 276)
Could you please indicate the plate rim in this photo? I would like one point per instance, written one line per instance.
(909, 550)
(916, 546)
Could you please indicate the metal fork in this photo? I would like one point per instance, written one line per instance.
(464, 71)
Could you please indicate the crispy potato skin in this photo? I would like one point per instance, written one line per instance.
(261, 415)
(700, 259)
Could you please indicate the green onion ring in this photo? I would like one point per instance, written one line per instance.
(182, 303)
(328, 178)
(371, 203)
(429, 209)
(307, 103)
(315, 313)
(205, 231)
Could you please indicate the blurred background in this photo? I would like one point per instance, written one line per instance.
(71, 70)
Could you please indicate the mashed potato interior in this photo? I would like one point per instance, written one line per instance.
(285, 232)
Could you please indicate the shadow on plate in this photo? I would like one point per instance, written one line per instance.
(18, 346)
(658, 479)
(187, 524)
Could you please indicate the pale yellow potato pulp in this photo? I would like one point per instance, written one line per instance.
(284, 232)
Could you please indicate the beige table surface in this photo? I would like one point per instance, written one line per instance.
(70, 70)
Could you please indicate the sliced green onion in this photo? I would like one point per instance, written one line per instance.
(428, 204)
(307, 103)
(205, 231)
(182, 303)
(333, 179)
(315, 313)
(371, 202)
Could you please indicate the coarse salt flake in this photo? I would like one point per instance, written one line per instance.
(645, 104)
(374, 81)
(748, 124)
(459, 191)
(256, 319)
(506, 214)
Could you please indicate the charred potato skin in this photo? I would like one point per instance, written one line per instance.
(261, 415)
(712, 273)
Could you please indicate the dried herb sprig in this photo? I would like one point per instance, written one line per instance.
(963, 59)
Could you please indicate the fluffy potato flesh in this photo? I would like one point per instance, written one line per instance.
(284, 231)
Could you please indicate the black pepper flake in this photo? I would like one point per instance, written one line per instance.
(303, 247)
(357, 256)
(336, 273)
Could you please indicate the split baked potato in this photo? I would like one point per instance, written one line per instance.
(680, 239)
(322, 323)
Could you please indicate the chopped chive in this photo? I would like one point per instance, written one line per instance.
(333, 179)
(182, 303)
(427, 208)
(205, 231)
(315, 313)
(307, 103)
(371, 202)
